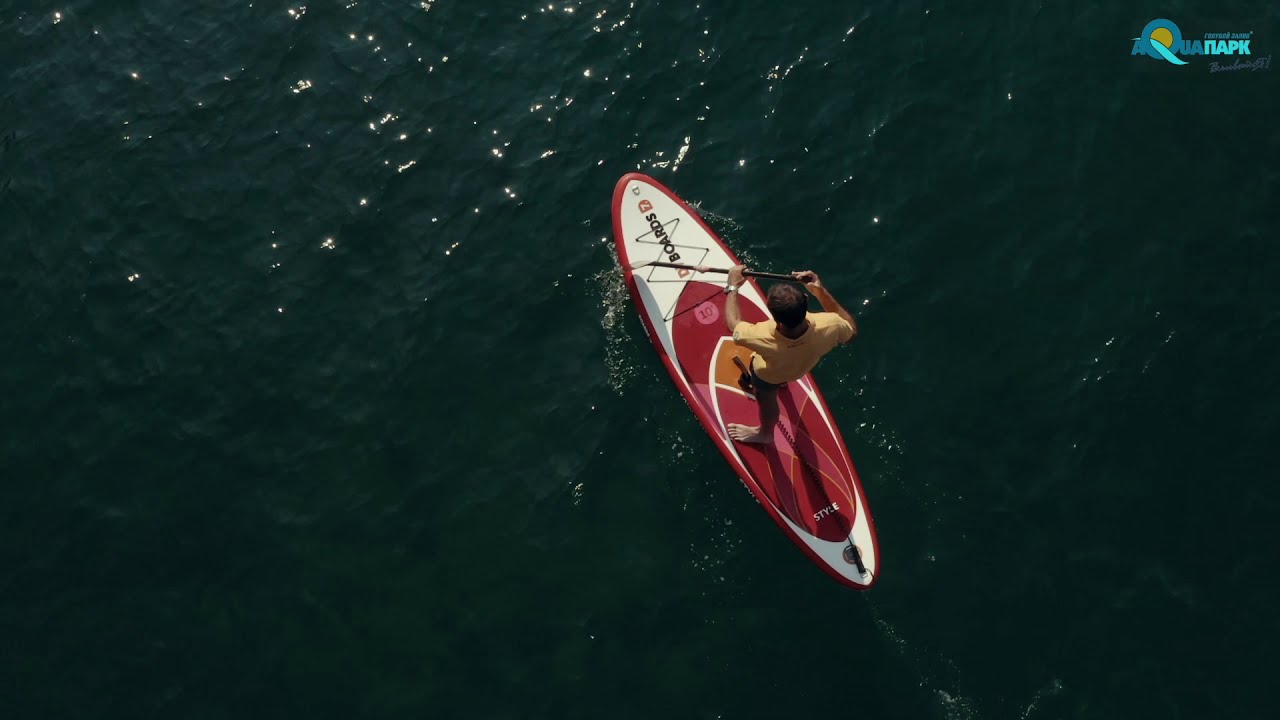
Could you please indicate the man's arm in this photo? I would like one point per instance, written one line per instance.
(732, 314)
(824, 297)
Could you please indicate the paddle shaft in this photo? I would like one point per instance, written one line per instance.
(722, 271)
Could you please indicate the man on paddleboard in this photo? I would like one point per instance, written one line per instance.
(786, 347)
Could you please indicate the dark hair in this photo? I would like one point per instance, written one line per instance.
(787, 304)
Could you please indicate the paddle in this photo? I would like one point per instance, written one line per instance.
(722, 271)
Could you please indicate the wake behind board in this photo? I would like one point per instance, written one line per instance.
(805, 480)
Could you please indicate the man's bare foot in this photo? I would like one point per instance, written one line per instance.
(749, 434)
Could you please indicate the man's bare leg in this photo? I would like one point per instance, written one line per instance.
(767, 399)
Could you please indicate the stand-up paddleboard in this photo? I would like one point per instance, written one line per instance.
(805, 480)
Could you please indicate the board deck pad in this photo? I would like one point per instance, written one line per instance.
(805, 479)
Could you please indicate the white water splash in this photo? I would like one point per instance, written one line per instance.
(954, 705)
(714, 550)
(612, 290)
(1052, 689)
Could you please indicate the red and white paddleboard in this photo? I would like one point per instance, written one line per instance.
(805, 480)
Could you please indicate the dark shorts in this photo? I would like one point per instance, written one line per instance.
(756, 381)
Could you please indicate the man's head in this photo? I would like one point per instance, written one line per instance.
(788, 304)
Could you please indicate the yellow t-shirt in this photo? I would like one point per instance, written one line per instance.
(780, 359)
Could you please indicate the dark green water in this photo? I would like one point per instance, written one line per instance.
(322, 396)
